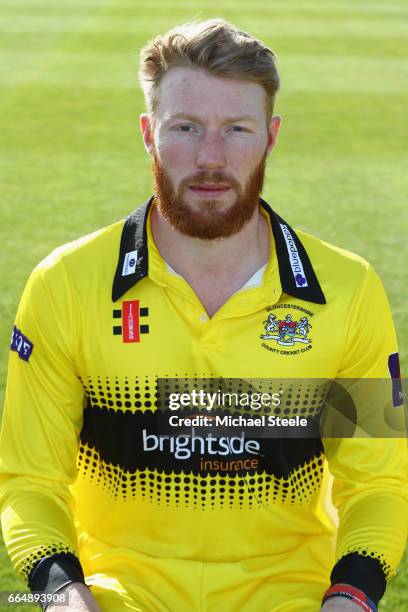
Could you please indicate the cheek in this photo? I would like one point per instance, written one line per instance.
(175, 158)
(244, 159)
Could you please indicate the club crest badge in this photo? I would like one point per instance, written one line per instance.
(286, 332)
(287, 329)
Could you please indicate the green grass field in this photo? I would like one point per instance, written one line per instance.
(72, 159)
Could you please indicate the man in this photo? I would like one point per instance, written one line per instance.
(114, 325)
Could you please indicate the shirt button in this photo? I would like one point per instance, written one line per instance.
(203, 317)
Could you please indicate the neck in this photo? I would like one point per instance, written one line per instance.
(193, 258)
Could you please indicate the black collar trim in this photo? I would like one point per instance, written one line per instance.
(133, 261)
(297, 275)
(296, 272)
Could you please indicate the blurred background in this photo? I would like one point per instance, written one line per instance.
(72, 160)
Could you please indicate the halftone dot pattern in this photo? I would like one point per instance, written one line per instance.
(225, 486)
(139, 394)
(365, 552)
(206, 491)
(40, 553)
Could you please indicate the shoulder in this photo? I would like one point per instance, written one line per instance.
(325, 254)
(79, 264)
(338, 270)
(89, 251)
(86, 249)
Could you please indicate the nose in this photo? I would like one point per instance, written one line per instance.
(211, 152)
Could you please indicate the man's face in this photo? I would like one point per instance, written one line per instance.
(209, 141)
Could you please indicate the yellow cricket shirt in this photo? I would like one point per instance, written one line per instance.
(105, 335)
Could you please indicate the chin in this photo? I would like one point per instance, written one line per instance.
(217, 204)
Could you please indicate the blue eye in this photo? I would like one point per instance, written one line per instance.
(238, 129)
(184, 128)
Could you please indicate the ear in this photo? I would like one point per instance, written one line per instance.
(147, 131)
(273, 132)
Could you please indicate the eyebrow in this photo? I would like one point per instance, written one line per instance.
(197, 119)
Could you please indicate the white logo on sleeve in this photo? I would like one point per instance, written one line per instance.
(295, 261)
(129, 265)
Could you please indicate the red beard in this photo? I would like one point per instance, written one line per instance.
(209, 222)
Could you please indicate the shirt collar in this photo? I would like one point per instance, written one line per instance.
(298, 278)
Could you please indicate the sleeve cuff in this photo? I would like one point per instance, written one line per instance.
(53, 573)
(361, 572)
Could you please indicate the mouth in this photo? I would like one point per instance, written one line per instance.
(209, 190)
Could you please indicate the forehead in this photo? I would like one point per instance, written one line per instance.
(195, 91)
